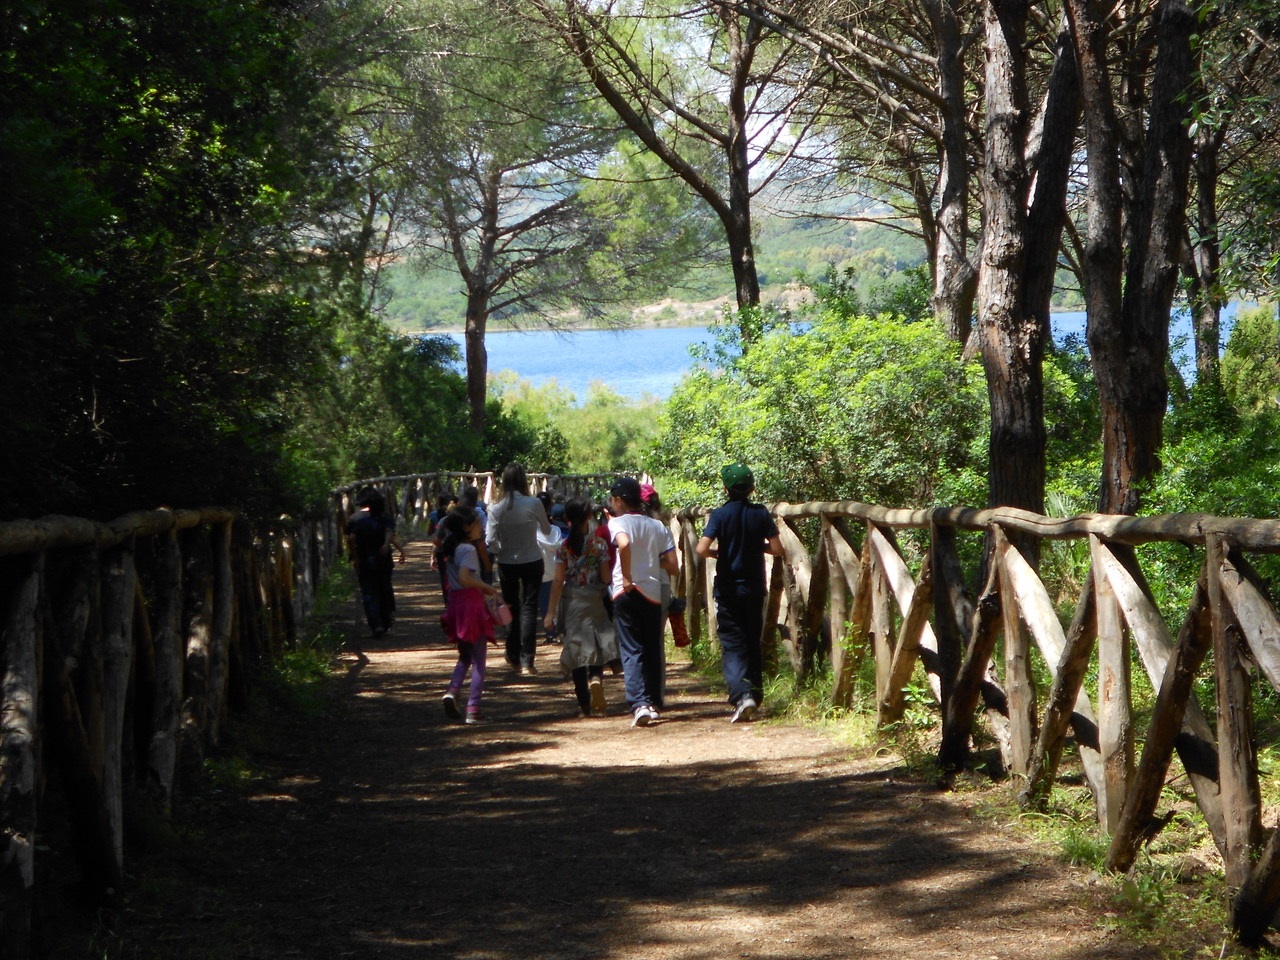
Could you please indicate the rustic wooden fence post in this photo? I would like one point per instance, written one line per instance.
(1115, 712)
(1137, 818)
(837, 602)
(881, 632)
(168, 646)
(1032, 600)
(1018, 682)
(19, 719)
(858, 570)
(119, 583)
(1237, 758)
(1155, 647)
(918, 601)
(953, 610)
(221, 620)
(197, 617)
(1065, 694)
(957, 713)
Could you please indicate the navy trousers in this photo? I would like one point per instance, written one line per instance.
(739, 624)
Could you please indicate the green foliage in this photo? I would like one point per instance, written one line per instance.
(1221, 455)
(652, 231)
(161, 163)
(855, 291)
(1251, 361)
(605, 433)
(387, 405)
(877, 409)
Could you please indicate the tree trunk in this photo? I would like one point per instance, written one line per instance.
(1204, 264)
(737, 226)
(20, 669)
(1128, 332)
(480, 287)
(477, 358)
(1012, 342)
(954, 277)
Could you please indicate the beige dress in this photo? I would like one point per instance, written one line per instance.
(589, 639)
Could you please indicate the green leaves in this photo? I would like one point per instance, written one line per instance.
(850, 407)
(160, 162)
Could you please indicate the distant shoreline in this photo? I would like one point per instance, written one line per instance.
(664, 314)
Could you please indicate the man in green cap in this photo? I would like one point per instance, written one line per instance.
(739, 534)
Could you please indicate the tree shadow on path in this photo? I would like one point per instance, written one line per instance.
(391, 831)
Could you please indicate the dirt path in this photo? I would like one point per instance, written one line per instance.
(392, 832)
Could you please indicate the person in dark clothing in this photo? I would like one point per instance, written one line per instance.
(739, 535)
(371, 537)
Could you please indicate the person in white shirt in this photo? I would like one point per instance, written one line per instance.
(645, 549)
(511, 537)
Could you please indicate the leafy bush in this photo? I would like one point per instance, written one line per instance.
(848, 406)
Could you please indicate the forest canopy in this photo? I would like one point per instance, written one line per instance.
(221, 211)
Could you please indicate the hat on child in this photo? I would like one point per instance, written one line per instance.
(737, 476)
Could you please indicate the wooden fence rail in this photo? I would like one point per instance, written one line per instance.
(122, 647)
(845, 589)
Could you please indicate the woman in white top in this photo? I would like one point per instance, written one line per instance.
(512, 538)
(645, 549)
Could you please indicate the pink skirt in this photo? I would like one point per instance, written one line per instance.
(466, 616)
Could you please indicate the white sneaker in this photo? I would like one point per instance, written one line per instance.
(644, 716)
(450, 706)
(745, 710)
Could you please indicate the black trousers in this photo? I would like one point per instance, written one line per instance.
(520, 584)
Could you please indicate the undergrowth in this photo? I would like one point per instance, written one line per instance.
(303, 682)
(1173, 900)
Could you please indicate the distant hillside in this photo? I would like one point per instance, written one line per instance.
(790, 253)
(787, 250)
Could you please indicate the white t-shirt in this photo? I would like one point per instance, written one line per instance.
(650, 539)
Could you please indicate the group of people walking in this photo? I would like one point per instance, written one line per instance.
(610, 590)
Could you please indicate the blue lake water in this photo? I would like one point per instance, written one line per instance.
(649, 361)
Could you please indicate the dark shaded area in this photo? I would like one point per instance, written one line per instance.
(389, 831)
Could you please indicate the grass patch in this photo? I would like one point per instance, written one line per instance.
(1173, 901)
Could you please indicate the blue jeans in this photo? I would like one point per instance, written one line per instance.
(521, 583)
(638, 623)
(739, 624)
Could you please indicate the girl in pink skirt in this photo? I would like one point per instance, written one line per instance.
(467, 619)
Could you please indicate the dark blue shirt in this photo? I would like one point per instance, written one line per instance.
(740, 530)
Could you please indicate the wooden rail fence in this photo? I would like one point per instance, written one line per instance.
(122, 646)
(845, 589)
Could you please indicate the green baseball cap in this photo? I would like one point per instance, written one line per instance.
(737, 475)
